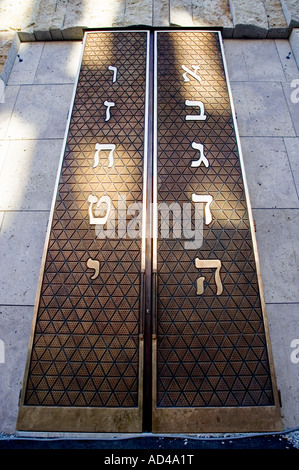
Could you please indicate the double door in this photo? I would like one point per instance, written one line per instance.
(150, 313)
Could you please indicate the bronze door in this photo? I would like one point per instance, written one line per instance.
(150, 313)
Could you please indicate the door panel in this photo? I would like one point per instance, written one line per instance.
(85, 367)
(212, 370)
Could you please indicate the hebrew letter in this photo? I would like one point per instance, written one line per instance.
(114, 70)
(194, 74)
(100, 147)
(201, 116)
(216, 264)
(93, 200)
(94, 264)
(208, 200)
(202, 158)
(108, 104)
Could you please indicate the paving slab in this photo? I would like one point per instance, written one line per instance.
(15, 326)
(138, 13)
(270, 180)
(277, 24)
(284, 331)
(262, 109)
(291, 12)
(294, 43)
(278, 247)
(287, 59)
(22, 239)
(6, 108)
(292, 147)
(33, 164)
(253, 60)
(26, 63)
(107, 15)
(40, 112)
(291, 90)
(250, 19)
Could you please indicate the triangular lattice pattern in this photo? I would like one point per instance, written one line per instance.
(86, 347)
(211, 348)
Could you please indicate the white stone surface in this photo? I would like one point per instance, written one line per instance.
(262, 109)
(284, 328)
(58, 62)
(161, 13)
(249, 18)
(270, 179)
(294, 42)
(291, 11)
(25, 65)
(287, 59)
(40, 112)
(22, 239)
(16, 336)
(138, 12)
(33, 165)
(212, 13)
(278, 247)
(6, 108)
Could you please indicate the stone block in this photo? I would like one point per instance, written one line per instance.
(253, 60)
(249, 19)
(27, 35)
(268, 172)
(9, 47)
(277, 25)
(161, 13)
(107, 15)
(283, 322)
(262, 109)
(291, 12)
(180, 12)
(25, 65)
(56, 34)
(215, 13)
(33, 164)
(40, 112)
(73, 33)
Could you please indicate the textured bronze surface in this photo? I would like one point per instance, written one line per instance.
(85, 350)
(211, 349)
